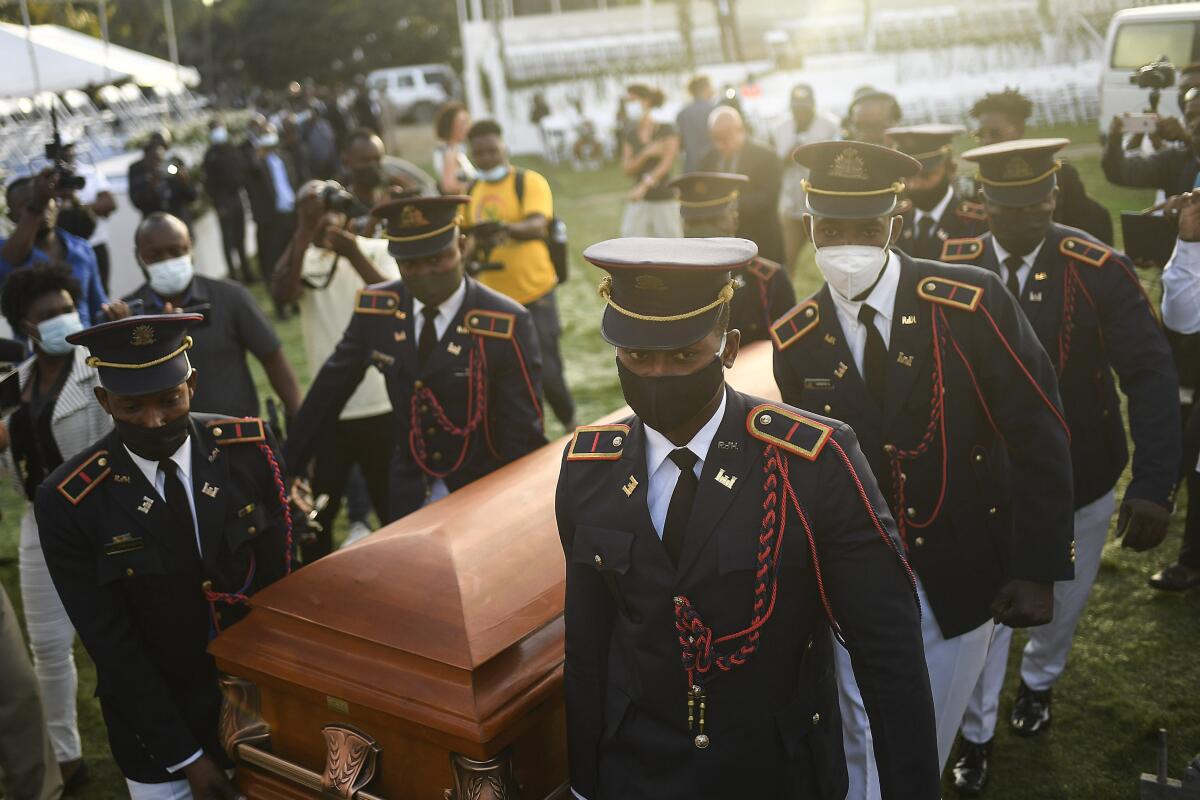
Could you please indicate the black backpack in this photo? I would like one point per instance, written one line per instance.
(556, 238)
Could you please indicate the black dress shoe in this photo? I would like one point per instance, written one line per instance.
(1031, 712)
(971, 768)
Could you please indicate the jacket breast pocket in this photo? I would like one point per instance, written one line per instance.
(249, 523)
(739, 548)
(610, 553)
(128, 563)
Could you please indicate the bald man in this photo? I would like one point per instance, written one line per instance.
(758, 200)
(234, 324)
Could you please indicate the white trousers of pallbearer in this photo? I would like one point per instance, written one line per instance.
(954, 669)
(1045, 655)
(171, 790)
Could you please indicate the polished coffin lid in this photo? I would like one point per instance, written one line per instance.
(451, 618)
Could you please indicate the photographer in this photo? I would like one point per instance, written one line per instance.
(38, 239)
(525, 271)
(321, 271)
(1181, 313)
(92, 203)
(157, 183)
(1171, 170)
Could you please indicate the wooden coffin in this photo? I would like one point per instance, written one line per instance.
(424, 661)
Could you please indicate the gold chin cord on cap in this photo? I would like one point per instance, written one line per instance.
(896, 188)
(719, 201)
(723, 296)
(419, 236)
(93, 361)
(1057, 166)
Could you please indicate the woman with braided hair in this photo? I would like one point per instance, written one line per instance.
(713, 540)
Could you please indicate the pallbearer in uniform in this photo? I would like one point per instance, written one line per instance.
(937, 212)
(708, 203)
(957, 408)
(712, 541)
(461, 362)
(155, 537)
(1085, 302)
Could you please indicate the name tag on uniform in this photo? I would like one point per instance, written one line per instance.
(818, 383)
(124, 543)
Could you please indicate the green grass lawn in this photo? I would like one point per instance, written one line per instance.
(1134, 668)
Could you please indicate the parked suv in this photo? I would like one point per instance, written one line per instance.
(415, 92)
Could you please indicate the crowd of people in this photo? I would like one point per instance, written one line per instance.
(943, 462)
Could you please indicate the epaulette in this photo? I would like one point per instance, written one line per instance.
(598, 443)
(972, 211)
(961, 249)
(497, 324)
(1084, 250)
(237, 430)
(792, 326)
(376, 301)
(763, 268)
(788, 430)
(946, 292)
(87, 476)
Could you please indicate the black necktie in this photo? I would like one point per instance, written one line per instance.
(874, 355)
(177, 503)
(428, 334)
(1012, 264)
(682, 498)
(925, 228)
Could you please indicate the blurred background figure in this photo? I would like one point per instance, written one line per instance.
(871, 113)
(692, 122)
(270, 180)
(161, 182)
(758, 200)
(96, 204)
(222, 168)
(451, 165)
(648, 151)
(803, 125)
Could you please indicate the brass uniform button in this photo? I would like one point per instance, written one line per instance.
(910, 512)
(828, 408)
(993, 510)
(437, 456)
(889, 448)
(252, 530)
(816, 719)
(430, 431)
(599, 560)
(424, 408)
(129, 572)
(701, 741)
(678, 600)
(919, 541)
(978, 457)
(217, 431)
(103, 462)
(418, 385)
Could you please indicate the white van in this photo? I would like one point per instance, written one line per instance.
(1138, 36)
(415, 92)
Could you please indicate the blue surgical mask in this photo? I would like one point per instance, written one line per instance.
(219, 135)
(493, 175)
(52, 333)
(171, 277)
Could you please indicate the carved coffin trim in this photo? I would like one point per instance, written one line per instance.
(483, 780)
(241, 721)
(350, 759)
(252, 756)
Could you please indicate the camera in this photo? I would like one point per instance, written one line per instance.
(68, 181)
(487, 235)
(335, 198)
(1155, 76)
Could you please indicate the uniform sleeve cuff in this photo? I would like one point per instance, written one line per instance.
(577, 795)
(187, 762)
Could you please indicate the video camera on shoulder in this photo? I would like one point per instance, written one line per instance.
(487, 235)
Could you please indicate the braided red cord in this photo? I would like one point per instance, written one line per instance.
(1070, 278)
(987, 411)
(476, 411)
(528, 380)
(1037, 387)
(766, 301)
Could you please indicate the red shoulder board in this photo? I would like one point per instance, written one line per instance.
(946, 292)
(973, 211)
(496, 324)
(87, 476)
(376, 301)
(237, 430)
(792, 326)
(598, 443)
(762, 268)
(788, 430)
(1085, 251)
(961, 249)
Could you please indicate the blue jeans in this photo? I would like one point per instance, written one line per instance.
(544, 311)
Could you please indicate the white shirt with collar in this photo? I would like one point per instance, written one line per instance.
(1181, 288)
(663, 472)
(937, 211)
(158, 479)
(1027, 261)
(882, 298)
(447, 311)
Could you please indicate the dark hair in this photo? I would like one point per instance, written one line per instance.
(648, 93)
(26, 285)
(443, 123)
(485, 127)
(698, 84)
(359, 135)
(1011, 103)
(15, 184)
(866, 94)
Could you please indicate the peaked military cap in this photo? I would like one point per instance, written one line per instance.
(929, 144)
(703, 195)
(664, 294)
(142, 354)
(853, 180)
(1020, 172)
(417, 227)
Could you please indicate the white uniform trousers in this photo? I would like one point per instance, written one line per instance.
(171, 790)
(1045, 655)
(51, 639)
(954, 668)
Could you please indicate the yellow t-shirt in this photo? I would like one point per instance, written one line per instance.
(528, 272)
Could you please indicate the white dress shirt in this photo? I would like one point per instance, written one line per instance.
(1027, 260)
(1181, 288)
(663, 472)
(158, 479)
(882, 298)
(936, 213)
(447, 311)
(285, 196)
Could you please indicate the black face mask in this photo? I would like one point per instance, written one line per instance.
(154, 444)
(368, 177)
(927, 199)
(1020, 232)
(669, 402)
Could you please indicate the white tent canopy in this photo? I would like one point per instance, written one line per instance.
(67, 59)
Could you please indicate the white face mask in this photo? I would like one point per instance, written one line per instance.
(219, 135)
(169, 278)
(53, 333)
(493, 175)
(850, 269)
